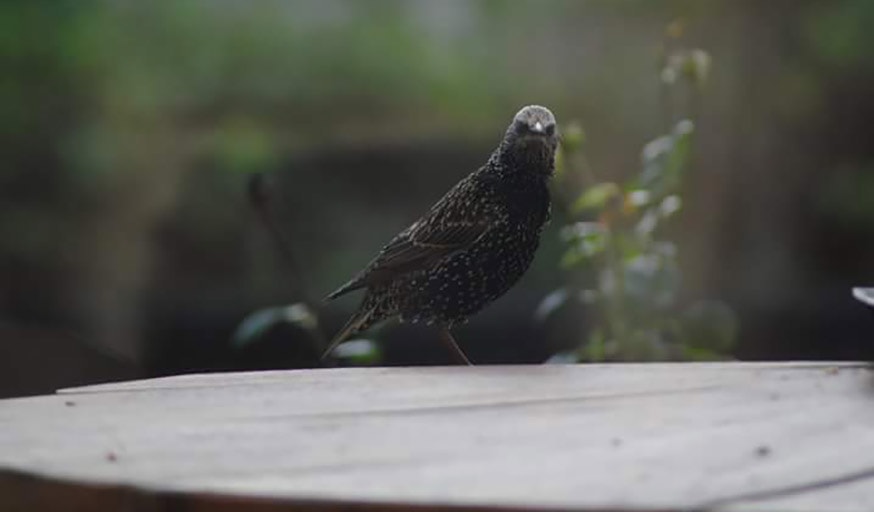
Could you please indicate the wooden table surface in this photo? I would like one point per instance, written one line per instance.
(717, 436)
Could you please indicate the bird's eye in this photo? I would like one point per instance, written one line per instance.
(550, 130)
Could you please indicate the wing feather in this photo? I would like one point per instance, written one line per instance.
(441, 232)
(415, 249)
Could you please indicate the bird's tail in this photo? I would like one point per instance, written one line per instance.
(359, 321)
(353, 284)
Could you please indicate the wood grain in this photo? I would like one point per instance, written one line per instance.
(718, 436)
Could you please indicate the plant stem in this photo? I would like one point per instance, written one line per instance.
(617, 313)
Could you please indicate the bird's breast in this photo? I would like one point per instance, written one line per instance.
(529, 207)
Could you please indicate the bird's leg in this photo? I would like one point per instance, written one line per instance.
(446, 337)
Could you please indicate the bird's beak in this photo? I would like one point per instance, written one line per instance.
(538, 127)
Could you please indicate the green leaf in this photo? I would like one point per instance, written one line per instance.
(596, 197)
(638, 198)
(586, 239)
(670, 205)
(551, 303)
(595, 350)
(652, 217)
(572, 136)
(655, 150)
(358, 352)
(300, 314)
(241, 145)
(579, 230)
(593, 244)
(563, 358)
(664, 159)
(696, 67)
(864, 295)
(678, 157)
(571, 258)
(666, 250)
(652, 280)
(255, 325)
(692, 65)
(652, 158)
(647, 224)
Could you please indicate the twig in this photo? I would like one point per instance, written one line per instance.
(260, 198)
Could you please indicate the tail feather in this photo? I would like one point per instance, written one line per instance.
(359, 321)
(352, 285)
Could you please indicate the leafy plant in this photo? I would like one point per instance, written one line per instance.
(615, 242)
(302, 316)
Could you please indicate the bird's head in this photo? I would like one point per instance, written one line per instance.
(531, 139)
(534, 121)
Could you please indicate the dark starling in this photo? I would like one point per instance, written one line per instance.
(471, 246)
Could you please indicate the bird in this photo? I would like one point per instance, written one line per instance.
(471, 246)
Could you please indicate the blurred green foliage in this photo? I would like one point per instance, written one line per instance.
(632, 273)
(840, 33)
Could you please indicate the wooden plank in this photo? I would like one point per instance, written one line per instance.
(623, 437)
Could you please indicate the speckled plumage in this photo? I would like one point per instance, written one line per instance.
(473, 244)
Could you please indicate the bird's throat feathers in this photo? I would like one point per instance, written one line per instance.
(528, 156)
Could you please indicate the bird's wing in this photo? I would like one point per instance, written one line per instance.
(443, 230)
(418, 247)
(440, 232)
(424, 245)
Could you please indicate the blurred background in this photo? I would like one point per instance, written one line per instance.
(130, 133)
